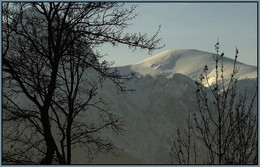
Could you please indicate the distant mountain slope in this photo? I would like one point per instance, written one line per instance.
(189, 62)
(153, 112)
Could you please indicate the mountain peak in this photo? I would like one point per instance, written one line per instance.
(189, 62)
(170, 54)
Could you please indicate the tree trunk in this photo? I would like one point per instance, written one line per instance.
(50, 144)
(69, 144)
(69, 132)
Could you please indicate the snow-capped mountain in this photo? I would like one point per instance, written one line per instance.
(189, 62)
(164, 93)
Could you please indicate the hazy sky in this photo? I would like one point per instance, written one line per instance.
(194, 26)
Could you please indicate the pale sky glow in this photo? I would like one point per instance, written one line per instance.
(194, 26)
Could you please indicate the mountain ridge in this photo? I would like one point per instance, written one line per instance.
(189, 62)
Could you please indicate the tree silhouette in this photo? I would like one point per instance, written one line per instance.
(224, 121)
(47, 85)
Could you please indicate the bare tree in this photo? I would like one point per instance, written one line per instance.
(224, 121)
(44, 64)
(79, 78)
